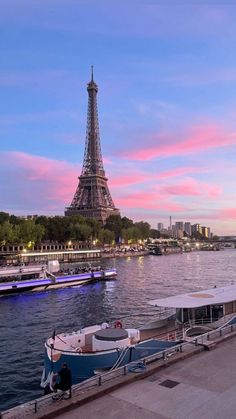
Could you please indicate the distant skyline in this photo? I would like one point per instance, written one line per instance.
(166, 73)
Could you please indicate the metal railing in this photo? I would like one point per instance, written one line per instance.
(44, 403)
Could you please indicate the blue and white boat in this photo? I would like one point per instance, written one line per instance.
(96, 348)
(100, 347)
(44, 278)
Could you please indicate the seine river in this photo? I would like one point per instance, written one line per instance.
(27, 320)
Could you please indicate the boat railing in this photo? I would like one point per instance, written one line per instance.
(45, 403)
(221, 321)
(171, 335)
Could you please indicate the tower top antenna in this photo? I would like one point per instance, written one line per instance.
(91, 72)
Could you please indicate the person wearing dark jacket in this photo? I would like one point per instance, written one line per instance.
(65, 379)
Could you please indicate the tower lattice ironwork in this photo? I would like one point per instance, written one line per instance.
(92, 197)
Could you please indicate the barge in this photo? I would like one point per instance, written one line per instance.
(44, 277)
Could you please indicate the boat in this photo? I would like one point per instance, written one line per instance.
(96, 348)
(100, 347)
(201, 311)
(43, 277)
(155, 250)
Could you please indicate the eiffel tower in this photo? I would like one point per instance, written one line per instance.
(92, 197)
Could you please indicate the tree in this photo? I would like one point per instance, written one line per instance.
(7, 234)
(126, 223)
(114, 223)
(144, 229)
(4, 216)
(155, 234)
(106, 236)
(29, 232)
(80, 232)
(95, 225)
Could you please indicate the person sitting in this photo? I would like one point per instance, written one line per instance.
(65, 379)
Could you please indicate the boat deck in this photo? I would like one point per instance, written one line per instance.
(171, 331)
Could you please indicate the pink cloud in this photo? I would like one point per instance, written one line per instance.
(180, 171)
(37, 182)
(147, 200)
(198, 139)
(193, 187)
(127, 180)
(227, 214)
(133, 177)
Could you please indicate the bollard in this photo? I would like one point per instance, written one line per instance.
(99, 380)
(125, 370)
(35, 406)
(181, 348)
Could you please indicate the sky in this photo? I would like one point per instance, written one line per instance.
(166, 72)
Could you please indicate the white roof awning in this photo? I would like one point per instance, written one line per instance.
(198, 299)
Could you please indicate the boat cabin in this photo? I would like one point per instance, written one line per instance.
(205, 306)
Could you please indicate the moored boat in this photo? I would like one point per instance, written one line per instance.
(41, 278)
(96, 348)
(99, 347)
(201, 311)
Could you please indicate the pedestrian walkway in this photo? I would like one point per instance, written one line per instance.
(203, 386)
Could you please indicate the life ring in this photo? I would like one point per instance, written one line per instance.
(118, 324)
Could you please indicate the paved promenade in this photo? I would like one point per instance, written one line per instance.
(200, 387)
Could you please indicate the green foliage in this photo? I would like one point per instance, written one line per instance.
(80, 232)
(4, 216)
(155, 234)
(15, 230)
(7, 233)
(197, 236)
(26, 232)
(29, 232)
(106, 236)
(143, 229)
(126, 223)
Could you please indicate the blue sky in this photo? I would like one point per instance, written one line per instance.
(166, 72)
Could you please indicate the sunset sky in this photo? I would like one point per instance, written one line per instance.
(166, 72)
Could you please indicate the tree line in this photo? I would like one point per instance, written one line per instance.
(61, 229)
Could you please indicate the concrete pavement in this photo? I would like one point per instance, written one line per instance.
(203, 386)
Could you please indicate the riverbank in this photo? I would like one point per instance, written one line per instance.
(124, 253)
(185, 385)
(201, 386)
(28, 320)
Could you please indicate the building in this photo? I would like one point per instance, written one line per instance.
(160, 226)
(179, 225)
(92, 197)
(187, 228)
(196, 228)
(206, 232)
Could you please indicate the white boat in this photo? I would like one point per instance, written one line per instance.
(99, 347)
(44, 277)
(96, 348)
(212, 308)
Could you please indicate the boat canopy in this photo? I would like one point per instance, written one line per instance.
(201, 298)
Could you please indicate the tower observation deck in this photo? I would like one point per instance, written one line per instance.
(92, 197)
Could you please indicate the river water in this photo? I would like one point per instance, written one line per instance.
(27, 320)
